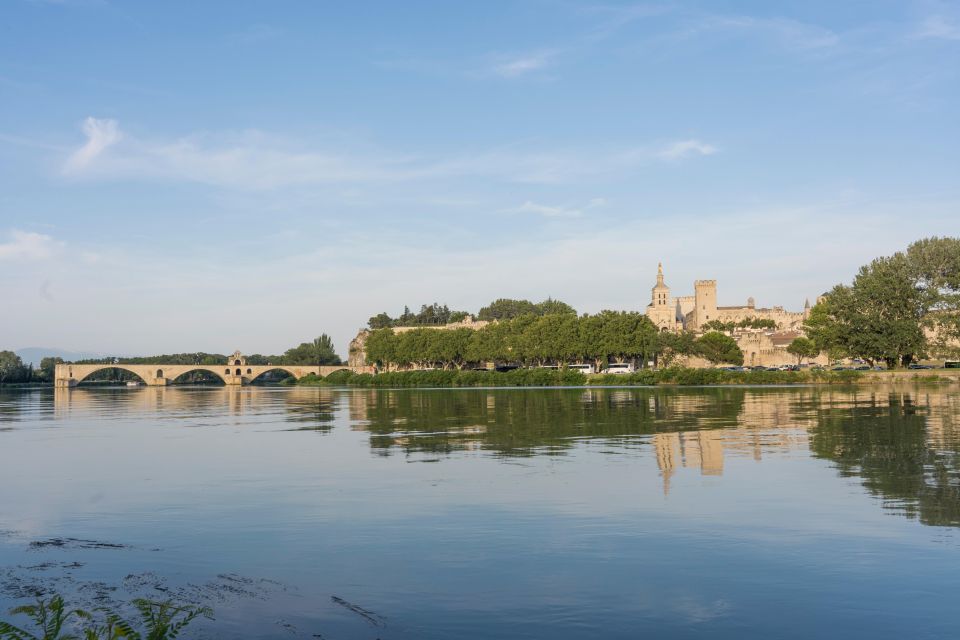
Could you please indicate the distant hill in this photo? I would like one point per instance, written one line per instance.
(34, 354)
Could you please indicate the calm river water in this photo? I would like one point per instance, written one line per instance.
(518, 513)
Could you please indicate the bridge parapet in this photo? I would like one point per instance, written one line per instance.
(158, 375)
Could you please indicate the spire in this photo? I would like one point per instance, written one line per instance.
(659, 274)
(807, 305)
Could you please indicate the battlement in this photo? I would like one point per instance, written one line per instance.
(704, 283)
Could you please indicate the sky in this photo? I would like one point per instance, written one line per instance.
(187, 176)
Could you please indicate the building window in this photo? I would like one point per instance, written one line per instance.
(238, 372)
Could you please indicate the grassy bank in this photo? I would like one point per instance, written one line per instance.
(553, 378)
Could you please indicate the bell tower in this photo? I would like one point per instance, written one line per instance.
(661, 310)
(660, 294)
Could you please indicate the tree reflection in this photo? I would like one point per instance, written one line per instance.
(313, 408)
(886, 441)
(537, 422)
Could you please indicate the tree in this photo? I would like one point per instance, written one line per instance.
(11, 367)
(506, 309)
(380, 321)
(318, 352)
(551, 307)
(802, 347)
(674, 345)
(934, 264)
(718, 348)
(827, 325)
(48, 367)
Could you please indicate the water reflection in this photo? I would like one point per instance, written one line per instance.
(903, 445)
(561, 513)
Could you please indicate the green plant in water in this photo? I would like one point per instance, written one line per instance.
(49, 616)
(165, 620)
(159, 620)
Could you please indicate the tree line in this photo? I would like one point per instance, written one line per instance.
(746, 323)
(537, 340)
(319, 351)
(500, 309)
(898, 308)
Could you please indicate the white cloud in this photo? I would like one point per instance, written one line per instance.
(685, 148)
(548, 211)
(252, 160)
(938, 27)
(101, 134)
(523, 65)
(27, 245)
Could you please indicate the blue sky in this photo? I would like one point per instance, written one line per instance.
(185, 176)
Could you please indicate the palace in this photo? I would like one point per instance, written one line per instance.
(691, 313)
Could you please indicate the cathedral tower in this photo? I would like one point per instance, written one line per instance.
(662, 308)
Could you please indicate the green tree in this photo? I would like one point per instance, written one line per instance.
(803, 347)
(506, 309)
(380, 321)
(719, 348)
(878, 317)
(935, 265)
(551, 307)
(320, 351)
(381, 348)
(48, 366)
(674, 345)
(11, 367)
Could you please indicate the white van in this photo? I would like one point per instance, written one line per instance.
(620, 367)
(582, 368)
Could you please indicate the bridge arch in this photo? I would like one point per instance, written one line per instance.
(138, 375)
(211, 370)
(268, 369)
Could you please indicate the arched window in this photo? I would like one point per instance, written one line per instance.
(238, 372)
(226, 371)
(249, 371)
(236, 362)
(159, 373)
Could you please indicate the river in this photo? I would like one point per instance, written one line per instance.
(730, 512)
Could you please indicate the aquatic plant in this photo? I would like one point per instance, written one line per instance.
(159, 621)
(49, 616)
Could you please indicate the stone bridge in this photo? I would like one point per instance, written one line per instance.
(235, 371)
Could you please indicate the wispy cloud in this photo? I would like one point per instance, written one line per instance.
(27, 245)
(549, 211)
(782, 32)
(938, 27)
(253, 160)
(101, 134)
(514, 67)
(685, 148)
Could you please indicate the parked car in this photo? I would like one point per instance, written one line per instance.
(620, 367)
(919, 366)
(582, 368)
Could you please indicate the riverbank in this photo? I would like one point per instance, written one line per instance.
(673, 376)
